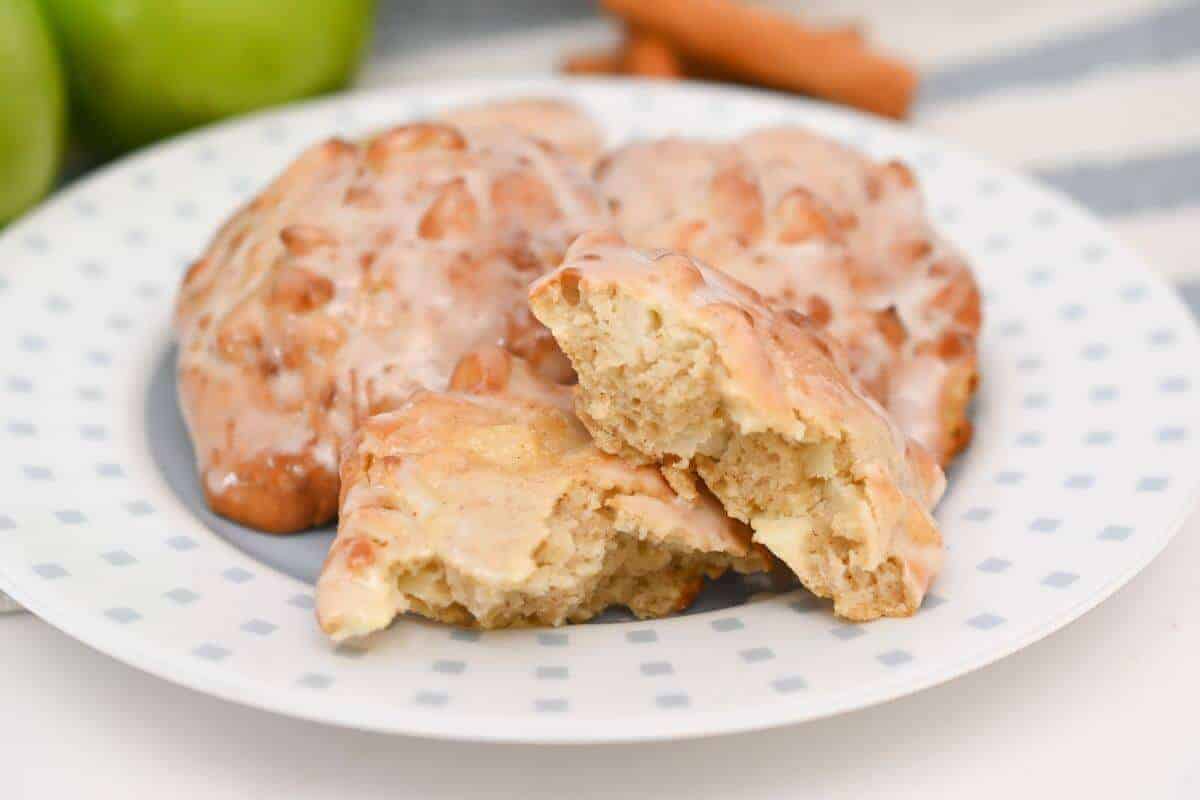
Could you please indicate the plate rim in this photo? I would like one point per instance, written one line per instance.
(130, 649)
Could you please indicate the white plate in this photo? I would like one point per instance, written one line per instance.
(1083, 464)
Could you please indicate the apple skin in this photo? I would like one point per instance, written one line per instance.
(33, 107)
(141, 70)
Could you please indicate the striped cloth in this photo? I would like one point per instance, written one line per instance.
(1100, 99)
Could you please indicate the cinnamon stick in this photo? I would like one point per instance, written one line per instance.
(594, 62)
(764, 47)
(649, 56)
(639, 54)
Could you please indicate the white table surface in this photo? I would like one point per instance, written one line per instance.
(1104, 708)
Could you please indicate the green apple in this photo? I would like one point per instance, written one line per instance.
(144, 69)
(32, 107)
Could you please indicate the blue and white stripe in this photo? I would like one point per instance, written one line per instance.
(1107, 111)
(1100, 99)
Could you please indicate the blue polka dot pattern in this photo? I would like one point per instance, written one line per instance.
(1081, 467)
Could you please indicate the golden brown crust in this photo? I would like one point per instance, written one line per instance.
(276, 493)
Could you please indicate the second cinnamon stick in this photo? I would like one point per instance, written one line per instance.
(772, 49)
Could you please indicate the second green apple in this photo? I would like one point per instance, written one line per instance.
(144, 69)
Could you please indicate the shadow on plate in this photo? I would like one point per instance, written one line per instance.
(300, 555)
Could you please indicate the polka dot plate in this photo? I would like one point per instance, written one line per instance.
(1081, 470)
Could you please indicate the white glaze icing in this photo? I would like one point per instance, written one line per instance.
(361, 274)
(815, 226)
